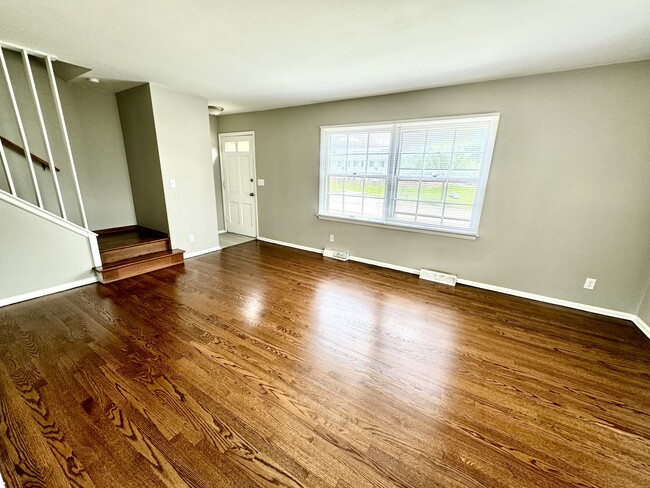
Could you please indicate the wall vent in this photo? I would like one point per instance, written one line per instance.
(438, 277)
(340, 255)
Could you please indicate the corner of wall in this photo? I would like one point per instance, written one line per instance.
(143, 156)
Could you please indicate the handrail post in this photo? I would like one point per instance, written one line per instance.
(21, 129)
(64, 130)
(48, 149)
(5, 164)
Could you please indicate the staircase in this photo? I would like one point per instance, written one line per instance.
(134, 250)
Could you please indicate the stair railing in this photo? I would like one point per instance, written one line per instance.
(14, 197)
(48, 59)
(21, 150)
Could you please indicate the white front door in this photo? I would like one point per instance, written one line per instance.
(238, 174)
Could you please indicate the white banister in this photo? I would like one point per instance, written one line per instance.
(13, 198)
(21, 129)
(31, 52)
(46, 140)
(64, 130)
(5, 165)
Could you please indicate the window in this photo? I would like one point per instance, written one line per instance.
(426, 174)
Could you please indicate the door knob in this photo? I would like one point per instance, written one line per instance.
(251, 194)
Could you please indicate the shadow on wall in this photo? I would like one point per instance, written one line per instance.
(216, 169)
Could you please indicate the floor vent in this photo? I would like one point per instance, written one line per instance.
(438, 277)
(340, 255)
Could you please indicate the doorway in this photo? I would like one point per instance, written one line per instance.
(237, 158)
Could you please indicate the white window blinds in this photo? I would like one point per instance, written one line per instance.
(428, 174)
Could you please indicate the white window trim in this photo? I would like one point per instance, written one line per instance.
(440, 230)
(407, 228)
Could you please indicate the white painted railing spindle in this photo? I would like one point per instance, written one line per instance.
(64, 130)
(21, 129)
(5, 165)
(46, 140)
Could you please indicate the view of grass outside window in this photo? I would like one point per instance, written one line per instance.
(428, 174)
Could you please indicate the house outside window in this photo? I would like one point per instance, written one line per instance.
(428, 175)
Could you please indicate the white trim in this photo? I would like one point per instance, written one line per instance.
(489, 122)
(289, 244)
(357, 259)
(32, 52)
(94, 249)
(194, 254)
(381, 264)
(222, 231)
(30, 207)
(554, 301)
(420, 230)
(5, 165)
(241, 133)
(21, 129)
(48, 291)
(643, 327)
(255, 187)
(223, 184)
(46, 139)
(66, 139)
(425, 120)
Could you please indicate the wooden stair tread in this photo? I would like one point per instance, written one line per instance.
(128, 237)
(135, 244)
(138, 259)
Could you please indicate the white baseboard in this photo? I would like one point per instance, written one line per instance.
(371, 262)
(48, 291)
(289, 244)
(507, 291)
(44, 214)
(643, 327)
(194, 254)
(554, 301)
(222, 231)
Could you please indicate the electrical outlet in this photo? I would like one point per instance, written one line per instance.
(172, 183)
(331, 237)
(191, 237)
(590, 283)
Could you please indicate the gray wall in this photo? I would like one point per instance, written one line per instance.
(567, 197)
(216, 171)
(95, 137)
(141, 144)
(183, 138)
(644, 306)
(9, 129)
(29, 264)
(98, 148)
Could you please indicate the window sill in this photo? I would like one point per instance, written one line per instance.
(441, 233)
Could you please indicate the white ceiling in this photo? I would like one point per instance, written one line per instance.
(258, 54)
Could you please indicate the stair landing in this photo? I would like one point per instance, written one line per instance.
(134, 250)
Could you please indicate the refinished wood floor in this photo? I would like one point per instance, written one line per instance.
(266, 366)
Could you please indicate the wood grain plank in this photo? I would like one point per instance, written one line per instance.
(266, 366)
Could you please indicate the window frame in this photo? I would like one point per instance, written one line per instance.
(396, 129)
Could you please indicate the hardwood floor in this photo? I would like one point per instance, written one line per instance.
(267, 366)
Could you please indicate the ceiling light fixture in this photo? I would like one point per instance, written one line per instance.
(93, 80)
(214, 110)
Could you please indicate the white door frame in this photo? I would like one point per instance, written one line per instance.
(223, 193)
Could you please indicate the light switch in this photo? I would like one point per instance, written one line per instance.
(260, 182)
(172, 183)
